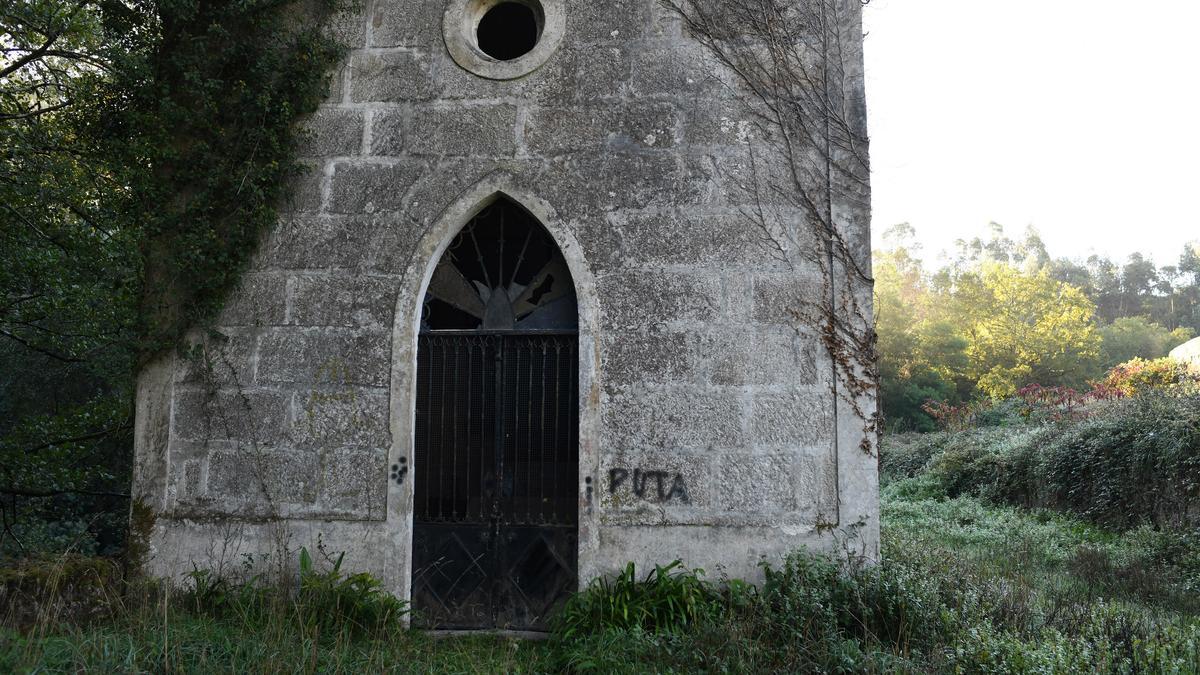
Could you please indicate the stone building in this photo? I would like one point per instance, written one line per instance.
(514, 330)
(1188, 352)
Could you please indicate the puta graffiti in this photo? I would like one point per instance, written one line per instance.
(655, 481)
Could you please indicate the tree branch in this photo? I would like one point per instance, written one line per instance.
(77, 439)
(42, 50)
(40, 350)
(21, 492)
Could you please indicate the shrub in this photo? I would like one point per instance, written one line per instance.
(335, 601)
(330, 602)
(1033, 404)
(1130, 462)
(1138, 463)
(1165, 375)
(67, 588)
(907, 455)
(810, 614)
(811, 599)
(669, 599)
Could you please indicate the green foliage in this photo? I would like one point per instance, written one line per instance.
(809, 615)
(814, 601)
(1023, 329)
(65, 476)
(1135, 337)
(1134, 462)
(1137, 464)
(981, 328)
(326, 602)
(669, 598)
(58, 590)
(227, 82)
(923, 355)
(1164, 375)
(145, 147)
(963, 586)
(1003, 315)
(1041, 587)
(52, 447)
(333, 600)
(68, 275)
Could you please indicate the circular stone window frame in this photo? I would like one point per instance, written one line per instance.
(460, 28)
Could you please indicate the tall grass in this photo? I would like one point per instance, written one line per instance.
(963, 586)
(972, 579)
(326, 621)
(670, 598)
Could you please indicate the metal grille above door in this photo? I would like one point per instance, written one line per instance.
(503, 272)
(496, 495)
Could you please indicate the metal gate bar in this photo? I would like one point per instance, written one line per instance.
(496, 477)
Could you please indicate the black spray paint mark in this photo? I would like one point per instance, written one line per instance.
(588, 481)
(644, 480)
(399, 471)
(679, 488)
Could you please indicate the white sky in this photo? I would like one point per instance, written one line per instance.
(1080, 117)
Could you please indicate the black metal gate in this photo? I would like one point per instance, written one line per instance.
(496, 478)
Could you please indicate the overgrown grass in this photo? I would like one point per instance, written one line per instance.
(330, 621)
(969, 581)
(670, 598)
(963, 586)
(1131, 463)
(193, 644)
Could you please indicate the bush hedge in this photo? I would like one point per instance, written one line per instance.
(1136, 461)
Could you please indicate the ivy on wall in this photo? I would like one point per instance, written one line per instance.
(145, 147)
(228, 83)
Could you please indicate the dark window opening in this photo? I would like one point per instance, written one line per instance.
(495, 460)
(502, 272)
(541, 291)
(508, 31)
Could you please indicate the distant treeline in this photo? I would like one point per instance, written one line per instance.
(1003, 314)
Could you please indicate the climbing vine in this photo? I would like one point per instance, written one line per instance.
(798, 82)
(228, 81)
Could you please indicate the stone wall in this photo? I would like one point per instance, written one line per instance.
(631, 147)
(1188, 352)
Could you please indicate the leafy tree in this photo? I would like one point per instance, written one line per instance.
(1023, 328)
(1133, 337)
(144, 147)
(1033, 250)
(1004, 313)
(1074, 274)
(922, 355)
(1029, 252)
(1139, 280)
(1106, 287)
(69, 265)
(1187, 293)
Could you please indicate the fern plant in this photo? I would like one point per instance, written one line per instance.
(335, 601)
(668, 599)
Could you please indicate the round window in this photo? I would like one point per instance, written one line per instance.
(503, 39)
(509, 31)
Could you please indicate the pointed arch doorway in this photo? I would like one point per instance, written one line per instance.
(496, 462)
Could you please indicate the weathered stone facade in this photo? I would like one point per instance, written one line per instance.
(1188, 352)
(629, 145)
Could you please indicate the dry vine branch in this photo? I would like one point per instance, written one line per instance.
(800, 84)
